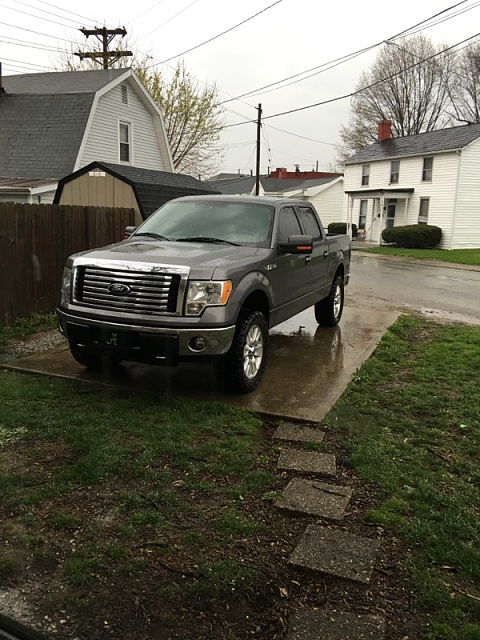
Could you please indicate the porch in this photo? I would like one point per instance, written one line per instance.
(377, 209)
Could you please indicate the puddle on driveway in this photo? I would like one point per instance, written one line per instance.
(308, 368)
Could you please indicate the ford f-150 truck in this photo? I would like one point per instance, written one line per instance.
(204, 277)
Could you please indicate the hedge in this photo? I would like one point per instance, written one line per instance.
(413, 236)
(341, 227)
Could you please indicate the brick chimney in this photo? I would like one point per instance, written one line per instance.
(384, 130)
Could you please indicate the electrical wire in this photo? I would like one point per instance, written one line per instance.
(67, 26)
(354, 93)
(178, 55)
(169, 20)
(349, 56)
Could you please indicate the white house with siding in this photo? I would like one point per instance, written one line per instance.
(53, 124)
(328, 199)
(429, 178)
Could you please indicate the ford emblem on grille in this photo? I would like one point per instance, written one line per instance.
(119, 289)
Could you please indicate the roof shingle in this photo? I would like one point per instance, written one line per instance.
(421, 144)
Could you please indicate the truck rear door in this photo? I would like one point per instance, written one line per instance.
(317, 275)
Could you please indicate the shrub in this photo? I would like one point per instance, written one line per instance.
(413, 236)
(341, 227)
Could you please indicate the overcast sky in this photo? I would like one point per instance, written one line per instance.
(286, 38)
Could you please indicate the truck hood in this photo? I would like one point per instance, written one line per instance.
(202, 258)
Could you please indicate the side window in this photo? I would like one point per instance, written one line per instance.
(365, 175)
(310, 222)
(394, 171)
(288, 224)
(427, 170)
(125, 142)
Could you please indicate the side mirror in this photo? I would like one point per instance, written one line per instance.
(296, 244)
(129, 231)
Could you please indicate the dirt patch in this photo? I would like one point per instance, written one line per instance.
(150, 586)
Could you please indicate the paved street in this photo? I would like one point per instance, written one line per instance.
(445, 293)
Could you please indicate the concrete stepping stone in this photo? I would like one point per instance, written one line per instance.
(307, 462)
(335, 625)
(314, 498)
(336, 553)
(298, 433)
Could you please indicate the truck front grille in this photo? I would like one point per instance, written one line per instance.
(127, 290)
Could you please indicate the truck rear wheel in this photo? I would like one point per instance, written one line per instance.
(329, 310)
(244, 365)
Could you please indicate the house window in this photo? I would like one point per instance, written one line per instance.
(427, 169)
(362, 218)
(394, 171)
(423, 213)
(124, 94)
(125, 142)
(365, 175)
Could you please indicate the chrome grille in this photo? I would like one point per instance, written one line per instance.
(149, 292)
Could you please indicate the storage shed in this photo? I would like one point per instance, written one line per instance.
(103, 184)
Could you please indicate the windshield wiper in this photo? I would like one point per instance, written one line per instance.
(206, 239)
(152, 235)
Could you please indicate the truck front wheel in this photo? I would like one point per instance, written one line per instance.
(244, 365)
(329, 310)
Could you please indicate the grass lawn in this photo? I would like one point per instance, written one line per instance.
(457, 256)
(140, 516)
(411, 421)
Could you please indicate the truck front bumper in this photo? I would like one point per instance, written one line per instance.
(146, 343)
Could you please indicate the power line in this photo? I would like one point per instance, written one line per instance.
(42, 11)
(169, 20)
(354, 93)
(147, 10)
(349, 56)
(67, 26)
(38, 33)
(221, 34)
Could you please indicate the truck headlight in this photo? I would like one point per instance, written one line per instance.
(67, 284)
(202, 293)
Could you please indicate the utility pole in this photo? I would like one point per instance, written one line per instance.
(257, 170)
(105, 36)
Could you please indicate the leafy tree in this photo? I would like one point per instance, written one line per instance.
(407, 84)
(193, 117)
(192, 114)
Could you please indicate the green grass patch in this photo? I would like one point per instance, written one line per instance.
(457, 256)
(115, 479)
(412, 421)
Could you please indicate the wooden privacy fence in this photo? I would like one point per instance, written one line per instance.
(35, 241)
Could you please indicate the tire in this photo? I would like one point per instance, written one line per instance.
(329, 310)
(91, 360)
(244, 365)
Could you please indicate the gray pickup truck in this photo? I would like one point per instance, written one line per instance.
(204, 277)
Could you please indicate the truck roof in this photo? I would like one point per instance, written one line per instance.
(271, 201)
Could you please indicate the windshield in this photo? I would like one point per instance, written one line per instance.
(243, 223)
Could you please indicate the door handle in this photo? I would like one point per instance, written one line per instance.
(307, 259)
(325, 255)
